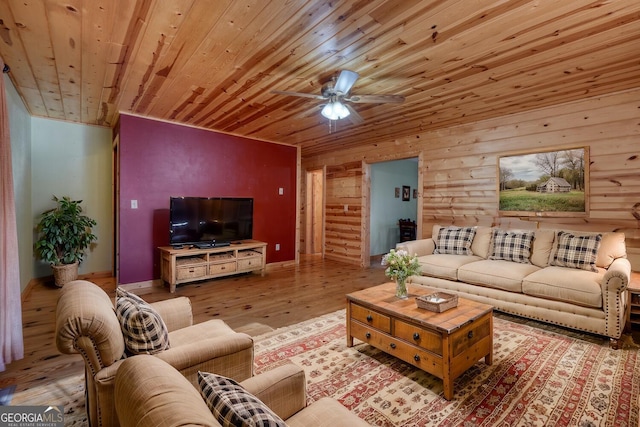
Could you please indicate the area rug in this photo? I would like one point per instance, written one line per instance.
(539, 377)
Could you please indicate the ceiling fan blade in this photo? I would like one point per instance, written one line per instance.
(376, 99)
(300, 94)
(345, 81)
(354, 117)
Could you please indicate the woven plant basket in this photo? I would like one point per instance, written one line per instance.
(64, 273)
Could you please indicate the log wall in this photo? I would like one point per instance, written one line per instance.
(458, 172)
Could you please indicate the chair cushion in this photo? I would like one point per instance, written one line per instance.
(143, 329)
(512, 245)
(455, 240)
(575, 251)
(234, 406)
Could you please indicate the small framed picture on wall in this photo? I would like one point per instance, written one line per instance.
(397, 192)
(415, 193)
(406, 193)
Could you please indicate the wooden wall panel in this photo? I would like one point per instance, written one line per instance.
(343, 212)
(460, 167)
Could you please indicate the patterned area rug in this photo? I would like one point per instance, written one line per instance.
(539, 377)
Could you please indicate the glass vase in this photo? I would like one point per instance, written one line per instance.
(401, 288)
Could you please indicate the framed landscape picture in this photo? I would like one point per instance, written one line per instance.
(544, 183)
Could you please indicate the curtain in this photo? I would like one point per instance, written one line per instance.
(11, 344)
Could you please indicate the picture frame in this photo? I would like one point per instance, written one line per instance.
(552, 183)
(406, 193)
(397, 193)
(415, 193)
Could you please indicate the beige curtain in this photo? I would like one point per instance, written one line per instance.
(11, 344)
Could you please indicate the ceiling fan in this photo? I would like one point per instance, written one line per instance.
(337, 93)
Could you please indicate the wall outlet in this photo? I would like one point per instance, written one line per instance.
(346, 208)
(277, 246)
(134, 204)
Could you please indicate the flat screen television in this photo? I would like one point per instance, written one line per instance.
(209, 221)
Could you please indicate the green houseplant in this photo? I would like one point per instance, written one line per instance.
(64, 234)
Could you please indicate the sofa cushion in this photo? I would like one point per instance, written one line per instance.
(577, 251)
(512, 245)
(232, 405)
(543, 241)
(455, 240)
(612, 247)
(443, 265)
(565, 284)
(505, 275)
(143, 329)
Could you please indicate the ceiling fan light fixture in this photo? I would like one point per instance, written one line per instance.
(335, 110)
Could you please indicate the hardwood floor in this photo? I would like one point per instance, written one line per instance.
(282, 297)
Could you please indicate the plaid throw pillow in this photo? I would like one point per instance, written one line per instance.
(232, 405)
(512, 245)
(577, 251)
(143, 329)
(455, 240)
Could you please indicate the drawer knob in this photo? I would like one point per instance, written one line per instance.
(470, 334)
(392, 345)
(416, 358)
(369, 318)
(416, 336)
(368, 335)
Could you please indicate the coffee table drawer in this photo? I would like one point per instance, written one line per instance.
(468, 336)
(421, 337)
(371, 318)
(416, 356)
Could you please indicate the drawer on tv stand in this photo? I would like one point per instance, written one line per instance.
(222, 268)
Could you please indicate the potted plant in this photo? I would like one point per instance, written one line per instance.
(63, 236)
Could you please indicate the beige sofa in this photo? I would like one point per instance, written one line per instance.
(591, 301)
(150, 393)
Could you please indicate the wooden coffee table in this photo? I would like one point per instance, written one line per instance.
(443, 344)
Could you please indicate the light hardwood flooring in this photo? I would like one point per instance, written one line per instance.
(284, 296)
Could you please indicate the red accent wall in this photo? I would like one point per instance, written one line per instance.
(159, 160)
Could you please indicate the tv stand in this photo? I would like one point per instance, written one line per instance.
(189, 265)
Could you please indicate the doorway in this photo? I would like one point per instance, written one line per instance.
(394, 195)
(314, 207)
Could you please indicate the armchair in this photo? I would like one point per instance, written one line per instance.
(86, 323)
(150, 393)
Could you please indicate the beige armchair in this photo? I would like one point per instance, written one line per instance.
(150, 393)
(86, 323)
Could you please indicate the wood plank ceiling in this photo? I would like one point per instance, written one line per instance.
(213, 63)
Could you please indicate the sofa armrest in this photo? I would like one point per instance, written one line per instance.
(176, 312)
(614, 299)
(282, 389)
(419, 247)
(617, 276)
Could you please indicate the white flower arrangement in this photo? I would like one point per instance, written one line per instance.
(400, 265)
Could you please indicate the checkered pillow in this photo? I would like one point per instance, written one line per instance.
(577, 251)
(455, 240)
(143, 329)
(232, 405)
(512, 246)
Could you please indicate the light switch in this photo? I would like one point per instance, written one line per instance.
(277, 246)
(281, 191)
(134, 204)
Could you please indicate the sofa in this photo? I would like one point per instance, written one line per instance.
(573, 279)
(86, 323)
(149, 393)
